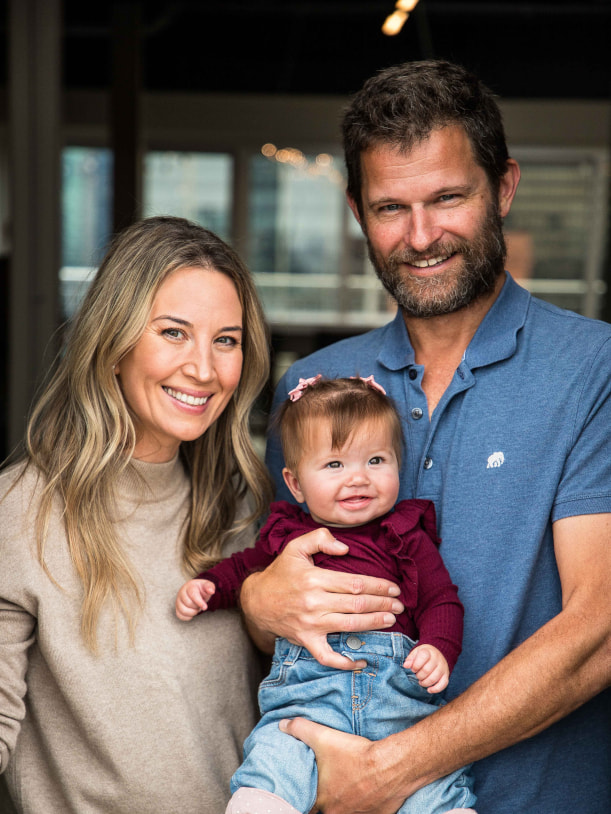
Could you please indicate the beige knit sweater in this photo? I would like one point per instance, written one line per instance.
(154, 728)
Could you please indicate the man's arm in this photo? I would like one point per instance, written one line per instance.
(560, 667)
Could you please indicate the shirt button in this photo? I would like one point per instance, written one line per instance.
(428, 463)
(353, 642)
(417, 413)
(413, 374)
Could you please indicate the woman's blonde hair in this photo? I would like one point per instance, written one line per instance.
(81, 434)
(346, 404)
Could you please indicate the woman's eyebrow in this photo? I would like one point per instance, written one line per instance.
(180, 321)
(187, 324)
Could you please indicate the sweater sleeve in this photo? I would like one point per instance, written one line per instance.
(439, 612)
(228, 575)
(16, 635)
(17, 625)
(436, 610)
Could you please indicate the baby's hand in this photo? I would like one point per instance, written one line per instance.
(430, 667)
(193, 597)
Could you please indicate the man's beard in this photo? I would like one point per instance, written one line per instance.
(432, 295)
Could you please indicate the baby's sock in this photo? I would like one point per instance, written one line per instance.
(256, 801)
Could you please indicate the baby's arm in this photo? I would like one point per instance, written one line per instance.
(193, 597)
(430, 667)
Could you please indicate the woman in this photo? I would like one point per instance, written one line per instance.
(137, 468)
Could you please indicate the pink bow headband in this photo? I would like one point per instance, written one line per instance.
(296, 393)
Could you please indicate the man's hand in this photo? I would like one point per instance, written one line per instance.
(364, 788)
(193, 598)
(429, 666)
(295, 599)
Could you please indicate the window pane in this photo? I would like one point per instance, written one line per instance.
(191, 185)
(555, 230)
(308, 257)
(86, 219)
(196, 186)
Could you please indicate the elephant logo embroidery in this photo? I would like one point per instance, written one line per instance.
(495, 460)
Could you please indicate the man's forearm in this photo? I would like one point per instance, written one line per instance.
(547, 677)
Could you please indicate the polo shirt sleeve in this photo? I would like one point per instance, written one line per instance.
(585, 485)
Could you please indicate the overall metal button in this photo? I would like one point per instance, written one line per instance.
(353, 642)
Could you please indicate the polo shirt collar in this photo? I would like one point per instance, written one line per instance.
(396, 350)
(497, 336)
(494, 340)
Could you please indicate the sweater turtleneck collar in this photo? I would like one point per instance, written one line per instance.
(152, 482)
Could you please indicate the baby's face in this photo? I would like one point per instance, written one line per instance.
(352, 485)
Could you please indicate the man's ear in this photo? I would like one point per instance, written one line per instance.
(355, 210)
(508, 186)
(293, 484)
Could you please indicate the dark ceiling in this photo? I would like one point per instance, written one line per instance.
(544, 48)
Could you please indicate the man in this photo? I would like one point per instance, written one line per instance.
(506, 408)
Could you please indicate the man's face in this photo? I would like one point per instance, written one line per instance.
(432, 223)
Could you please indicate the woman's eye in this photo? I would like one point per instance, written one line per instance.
(173, 333)
(228, 341)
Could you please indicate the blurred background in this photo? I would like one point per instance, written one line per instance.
(227, 112)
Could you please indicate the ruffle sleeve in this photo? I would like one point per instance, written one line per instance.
(410, 516)
(437, 613)
(285, 522)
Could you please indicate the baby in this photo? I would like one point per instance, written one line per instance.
(342, 445)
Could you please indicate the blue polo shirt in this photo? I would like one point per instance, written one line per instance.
(520, 439)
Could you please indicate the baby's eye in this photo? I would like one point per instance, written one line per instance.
(334, 465)
(377, 459)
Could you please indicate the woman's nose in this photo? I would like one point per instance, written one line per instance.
(199, 364)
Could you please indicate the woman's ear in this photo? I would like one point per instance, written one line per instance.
(292, 482)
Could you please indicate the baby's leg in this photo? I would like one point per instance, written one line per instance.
(256, 801)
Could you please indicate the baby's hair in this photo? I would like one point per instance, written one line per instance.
(346, 404)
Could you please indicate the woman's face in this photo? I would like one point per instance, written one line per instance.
(179, 377)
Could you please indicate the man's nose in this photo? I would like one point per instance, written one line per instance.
(423, 230)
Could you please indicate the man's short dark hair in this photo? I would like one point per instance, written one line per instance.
(402, 105)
